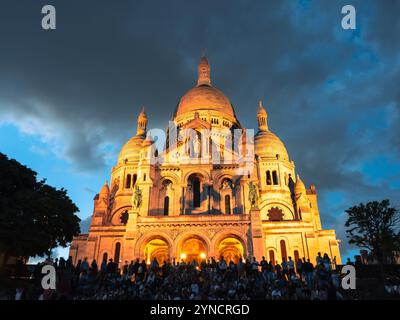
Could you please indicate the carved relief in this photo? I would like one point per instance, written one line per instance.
(275, 214)
(211, 233)
(174, 233)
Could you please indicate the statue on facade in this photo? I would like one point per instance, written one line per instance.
(226, 184)
(137, 198)
(253, 195)
(196, 147)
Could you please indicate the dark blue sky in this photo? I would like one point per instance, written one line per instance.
(69, 97)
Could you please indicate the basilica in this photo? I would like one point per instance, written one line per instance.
(214, 189)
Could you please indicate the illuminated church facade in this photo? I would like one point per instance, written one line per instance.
(214, 189)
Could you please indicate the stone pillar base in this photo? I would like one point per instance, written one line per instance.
(257, 235)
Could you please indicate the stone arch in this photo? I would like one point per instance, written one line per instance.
(278, 246)
(299, 250)
(166, 188)
(219, 178)
(219, 237)
(145, 239)
(196, 197)
(203, 173)
(275, 253)
(111, 252)
(181, 238)
(218, 194)
(169, 176)
(116, 215)
(279, 238)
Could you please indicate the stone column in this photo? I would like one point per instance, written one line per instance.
(183, 201)
(209, 192)
(244, 192)
(257, 235)
(131, 235)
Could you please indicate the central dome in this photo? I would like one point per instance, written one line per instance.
(205, 98)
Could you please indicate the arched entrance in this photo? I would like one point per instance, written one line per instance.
(193, 248)
(156, 248)
(231, 249)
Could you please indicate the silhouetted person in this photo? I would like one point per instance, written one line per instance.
(263, 264)
(111, 267)
(154, 265)
(318, 259)
(94, 267)
(349, 262)
(299, 268)
(290, 266)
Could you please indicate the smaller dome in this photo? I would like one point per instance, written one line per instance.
(299, 188)
(105, 190)
(267, 144)
(131, 150)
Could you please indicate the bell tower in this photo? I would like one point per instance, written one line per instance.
(142, 123)
(262, 117)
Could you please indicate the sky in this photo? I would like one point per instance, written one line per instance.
(69, 97)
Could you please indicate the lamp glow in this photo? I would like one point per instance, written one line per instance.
(202, 255)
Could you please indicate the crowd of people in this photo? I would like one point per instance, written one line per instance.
(196, 280)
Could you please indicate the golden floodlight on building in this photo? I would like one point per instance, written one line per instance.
(230, 204)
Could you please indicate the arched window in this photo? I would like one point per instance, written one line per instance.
(283, 250)
(166, 206)
(128, 181)
(196, 192)
(134, 178)
(274, 177)
(144, 177)
(272, 257)
(269, 181)
(117, 252)
(227, 204)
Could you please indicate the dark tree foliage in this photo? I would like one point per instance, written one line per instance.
(374, 226)
(34, 217)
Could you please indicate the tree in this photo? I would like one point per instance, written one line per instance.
(374, 226)
(34, 217)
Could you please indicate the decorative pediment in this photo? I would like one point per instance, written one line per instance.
(197, 123)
